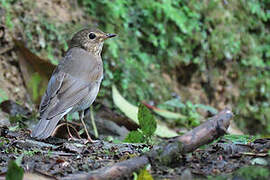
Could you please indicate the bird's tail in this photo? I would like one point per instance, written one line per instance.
(45, 127)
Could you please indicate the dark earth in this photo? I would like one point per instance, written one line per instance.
(57, 158)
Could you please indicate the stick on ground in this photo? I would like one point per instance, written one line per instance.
(166, 152)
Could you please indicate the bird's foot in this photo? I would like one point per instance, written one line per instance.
(72, 138)
(89, 140)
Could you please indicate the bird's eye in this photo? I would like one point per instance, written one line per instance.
(92, 36)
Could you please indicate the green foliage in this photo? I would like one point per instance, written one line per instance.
(144, 175)
(14, 128)
(254, 172)
(147, 122)
(15, 172)
(34, 84)
(3, 141)
(7, 5)
(144, 43)
(50, 36)
(148, 126)
(42, 34)
(259, 161)
(159, 36)
(135, 137)
(243, 139)
(253, 105)
(191, 117)
(247, 173)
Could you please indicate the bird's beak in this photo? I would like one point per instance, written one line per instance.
(110, 35)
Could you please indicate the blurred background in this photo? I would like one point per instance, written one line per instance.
(189, 57)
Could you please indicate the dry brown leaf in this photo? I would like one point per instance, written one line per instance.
(35, 70)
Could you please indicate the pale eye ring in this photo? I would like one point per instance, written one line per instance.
(92, 36)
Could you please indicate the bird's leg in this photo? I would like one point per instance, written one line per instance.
(81, 114)
(69, 134)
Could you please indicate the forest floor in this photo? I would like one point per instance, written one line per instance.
(58, 158)
(228, 157)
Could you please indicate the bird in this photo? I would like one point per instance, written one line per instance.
(75, 82)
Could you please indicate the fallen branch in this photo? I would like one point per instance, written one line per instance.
(167, 152)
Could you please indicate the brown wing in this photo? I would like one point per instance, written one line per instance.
(66, 88)
(59, 99)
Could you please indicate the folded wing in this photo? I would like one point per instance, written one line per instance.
(63, 92)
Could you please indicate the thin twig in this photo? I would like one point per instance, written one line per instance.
(166, 152)
(93, 122)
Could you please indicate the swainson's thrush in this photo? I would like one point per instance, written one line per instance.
(74, 83)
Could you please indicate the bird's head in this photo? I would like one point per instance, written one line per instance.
(90, 40)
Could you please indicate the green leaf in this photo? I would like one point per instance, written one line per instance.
(18, 161)
(243, 139)
(134, 137)
(35, 85)
(259, 161)
(147, 122)
(131, 112)
(168, 114)
(207, 108)
(135, 176)
(144, 175)
(127, 108)
(14, 171)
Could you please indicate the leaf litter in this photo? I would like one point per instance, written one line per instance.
(60, 157)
